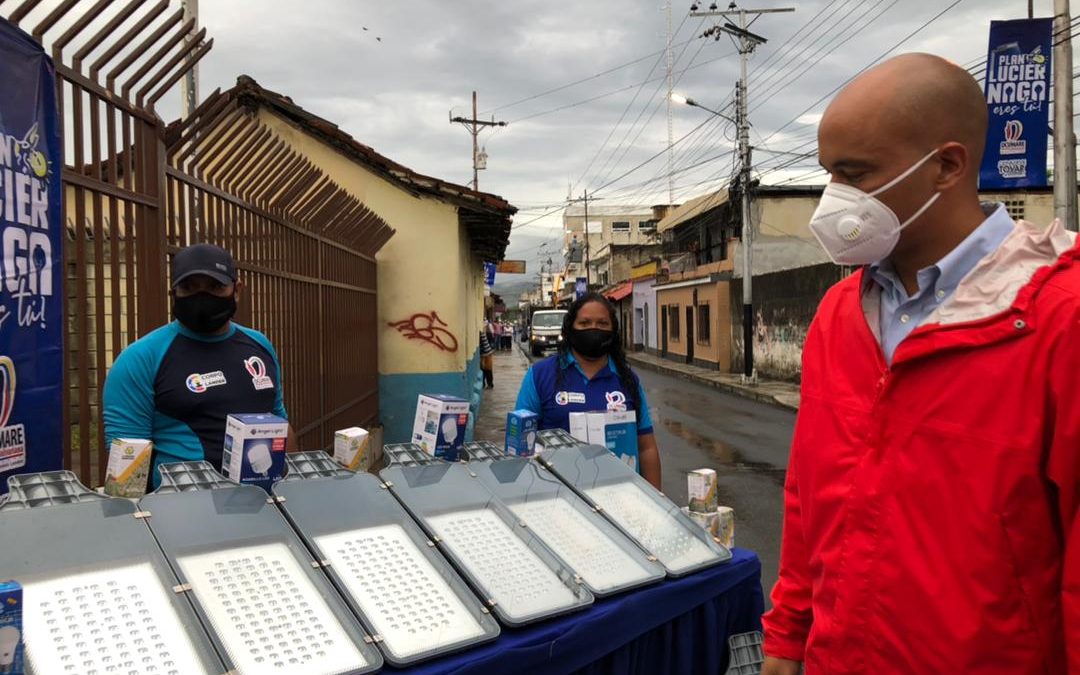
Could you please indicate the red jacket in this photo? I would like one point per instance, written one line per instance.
(931, 517)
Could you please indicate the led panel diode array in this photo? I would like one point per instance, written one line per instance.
(625, 498)
(406, 593)
(605, 558)
(97, 592)
(267, 605)
(520, 577)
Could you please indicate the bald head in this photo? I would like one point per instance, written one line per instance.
(915, 99)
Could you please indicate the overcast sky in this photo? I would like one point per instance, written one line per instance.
(393, 84)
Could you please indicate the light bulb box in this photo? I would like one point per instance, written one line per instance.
(439, 427)
(521, 427)
(129, 468)
(616, 430)
(701, 488)
(352, 448)
(254, 452)
(11, 628)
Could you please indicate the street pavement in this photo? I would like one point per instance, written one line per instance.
(697, 426)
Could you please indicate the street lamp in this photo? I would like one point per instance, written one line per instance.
(683, 100)
(747, 230)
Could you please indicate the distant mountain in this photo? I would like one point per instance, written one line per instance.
(511, 290)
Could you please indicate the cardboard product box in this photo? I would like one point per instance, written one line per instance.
(254, 452)
(725, 526)
(352, 448)
(128, 470)
(521, 427)
(579, 426)
(616, 431)
(710, 522)
(701, 488)
(11, 629)
(439, 427)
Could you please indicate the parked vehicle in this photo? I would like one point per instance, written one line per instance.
(546, 330)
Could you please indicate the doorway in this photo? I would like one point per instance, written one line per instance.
(690, 335)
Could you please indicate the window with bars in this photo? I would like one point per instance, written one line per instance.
(703, 333)
(1015, 207)
(620, 226)
(673, 322)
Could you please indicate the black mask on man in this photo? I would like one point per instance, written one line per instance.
(591, 342)
(204, 312)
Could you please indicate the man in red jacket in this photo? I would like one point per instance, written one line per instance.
(931, 508)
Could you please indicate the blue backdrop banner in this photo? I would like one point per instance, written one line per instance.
(31, 291)
(1018, 72)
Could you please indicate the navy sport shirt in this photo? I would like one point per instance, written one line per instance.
(176, 387)
(540, 394)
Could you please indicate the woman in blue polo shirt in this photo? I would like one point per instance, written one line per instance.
(590, 373)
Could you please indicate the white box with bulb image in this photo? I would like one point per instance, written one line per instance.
(11, 627)
(439, 427)
(254, 452)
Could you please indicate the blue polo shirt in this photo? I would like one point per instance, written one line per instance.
(540, 394)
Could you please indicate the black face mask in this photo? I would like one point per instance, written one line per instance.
(591, 342)
(204, 312)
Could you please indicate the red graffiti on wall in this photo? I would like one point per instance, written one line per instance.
(429, 328)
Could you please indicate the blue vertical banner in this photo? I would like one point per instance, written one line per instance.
(489, 273)
(31, 264)
(1018, 76)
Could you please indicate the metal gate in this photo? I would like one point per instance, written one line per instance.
(305, 248)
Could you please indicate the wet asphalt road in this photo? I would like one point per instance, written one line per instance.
(745, 441)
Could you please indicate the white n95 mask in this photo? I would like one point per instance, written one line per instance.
(856, 228)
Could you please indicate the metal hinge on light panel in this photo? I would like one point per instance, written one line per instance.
(387, 485)
(373, 639)
(317, 564)
(141, 514)
(181, 588)
(275, 500)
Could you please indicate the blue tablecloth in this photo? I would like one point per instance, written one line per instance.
(676, 626)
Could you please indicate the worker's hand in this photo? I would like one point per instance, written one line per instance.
(775, 666)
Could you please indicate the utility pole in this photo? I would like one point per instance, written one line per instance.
(1031, 9)
(585, 198)
(473, 126)
(1064, 136)
(670, 119)
(189, 87)
(746, 43)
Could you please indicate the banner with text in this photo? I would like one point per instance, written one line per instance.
(31, 226)
(1018, 74)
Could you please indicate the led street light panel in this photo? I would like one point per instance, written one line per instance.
(400, 586)
(519, 576)
(630, 502)
(265, 601)
(606, 559)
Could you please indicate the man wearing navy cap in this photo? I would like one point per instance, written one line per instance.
(177, 385)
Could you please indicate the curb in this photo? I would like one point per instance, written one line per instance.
(742, 391)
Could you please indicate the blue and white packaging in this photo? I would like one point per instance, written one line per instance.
(254, 452)
(11, 628)
(615, 430)
(521, 427)
(439, 427)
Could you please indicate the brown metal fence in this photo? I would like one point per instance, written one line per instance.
(305, 248)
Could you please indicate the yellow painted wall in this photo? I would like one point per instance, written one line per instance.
(427, 265)
(718, 348)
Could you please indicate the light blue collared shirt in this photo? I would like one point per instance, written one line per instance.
(901, 314)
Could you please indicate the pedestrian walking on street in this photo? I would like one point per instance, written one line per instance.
(590, 373)
(487, 358)
(932, 494)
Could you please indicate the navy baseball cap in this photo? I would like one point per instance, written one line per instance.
(212, 261)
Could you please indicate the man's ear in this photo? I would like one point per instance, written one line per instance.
(955, 162)
(238, 289)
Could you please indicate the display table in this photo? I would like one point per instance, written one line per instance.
(675, 627)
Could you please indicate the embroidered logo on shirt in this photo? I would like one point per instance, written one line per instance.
(616, 400)
(197, 383)
(568, 397)
(257, 369)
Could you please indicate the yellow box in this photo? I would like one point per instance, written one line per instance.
(129, 467)
(352, 448)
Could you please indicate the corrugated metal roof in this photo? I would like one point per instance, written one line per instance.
(692, 208)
